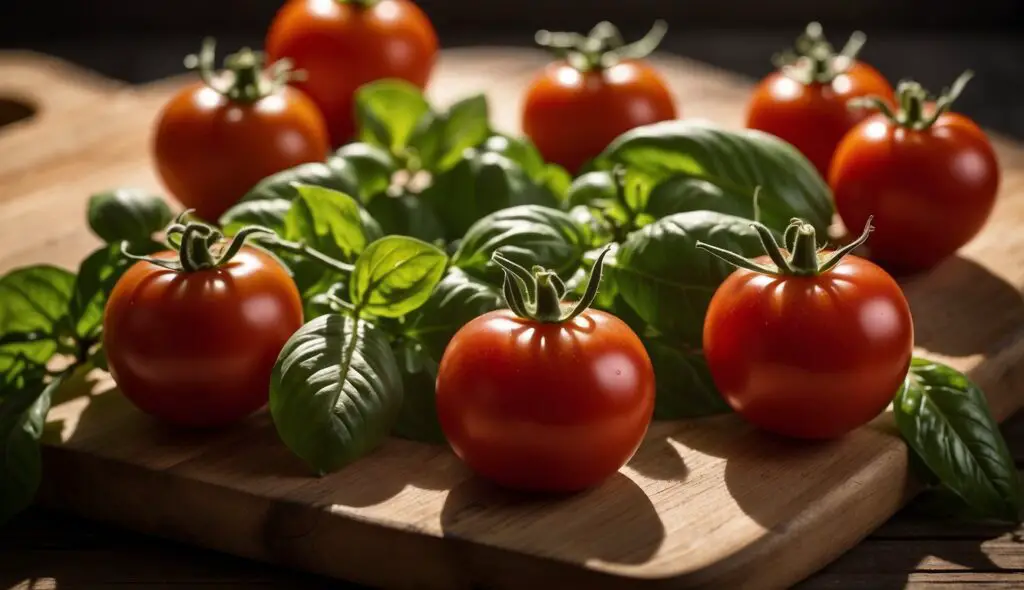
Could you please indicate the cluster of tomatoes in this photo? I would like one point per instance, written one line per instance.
(536, 397)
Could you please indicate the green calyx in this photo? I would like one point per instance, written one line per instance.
(244, 78)
(199, 246)
(537, 295)
(802, 246)
(913, 99)
(602, 48)
(813, 59)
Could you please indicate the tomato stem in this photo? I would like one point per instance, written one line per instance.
(196, 243)
(602, 48)
(537, 295)
(359, 3)
(800, 240)
(813, 59)
(912, 98)
(244, 79)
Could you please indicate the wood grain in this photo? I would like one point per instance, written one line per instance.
(708, 503)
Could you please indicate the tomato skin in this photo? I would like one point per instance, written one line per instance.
(197, 349)
(342, 46)
(814, 117)
(809, 357)
(572, 116)
(209, 151)
(930, 191)
(545, 407)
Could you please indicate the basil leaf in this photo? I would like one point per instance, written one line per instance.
(337, 174)
(395, 275)
(556, 180)
(418, 418)
(96, 278)
(456, 300)
(684, 385)
(34, 310)
(596, 228)
(737, 161)
(387, 111)
(269, 213)
(335, 391)
(668, 281)
(679, 194)
(406, 215)
(945, 418)
(440, 139)
(528, 235)
(373, 166)
(127, 214)
(326, 220)
(520, 150)
(24, 404)
(480, 183)
(593, 189)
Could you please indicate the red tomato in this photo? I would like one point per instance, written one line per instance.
(545, 401)
(805, 103)
(342, 45)
(575, 107)
(930, 189)
(197, 348)
(809, 356)
(212, 144)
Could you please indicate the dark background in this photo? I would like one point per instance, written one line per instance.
(931, 41)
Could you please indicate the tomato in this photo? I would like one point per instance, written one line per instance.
(343, 44)
(216, 139)
(196, 348)
(805, 102)
(545, 405)
(575, 107)
(809, 353)
(931, 185)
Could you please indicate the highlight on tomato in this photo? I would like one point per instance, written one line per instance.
(812, 345)
(804, 102)
(192, 335)
(343, 44)
(545, 396)
(217, 138)
(600, 88)
(928, 175)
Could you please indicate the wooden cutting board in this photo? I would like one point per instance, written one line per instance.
(705, 503)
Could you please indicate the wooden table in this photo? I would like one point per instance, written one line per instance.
(42, 550)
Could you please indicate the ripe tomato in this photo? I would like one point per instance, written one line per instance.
(196, 348)
(575, 107)
(809, 353)
(215, 139)
(929, 177)
(553, 405)
(805, 101)
(343, 44)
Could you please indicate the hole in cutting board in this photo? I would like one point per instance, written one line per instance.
(13, 110)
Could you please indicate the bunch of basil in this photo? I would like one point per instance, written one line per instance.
(342, 384)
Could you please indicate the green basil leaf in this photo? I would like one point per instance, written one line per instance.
(34, 310)
(395, 275)
(945, 418)
(337, 174)
(479, 184)
(326, 220)
(456, 300)
(387, 112)
(269, 213)
(668, 281)
(335, 391)
(520, 150)
(440, 139)
(127, 214)
(593, 189)
(373, 165)
(528, 235)
(23, 409)
(738, 161)
(96, 278)
(684, 385)
(556, 180)
(680, 194)
(406, 215)
(418, 418)
(596, 229)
